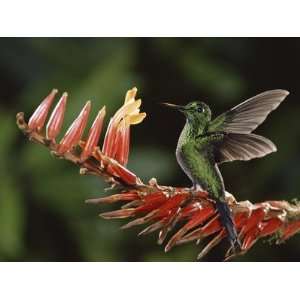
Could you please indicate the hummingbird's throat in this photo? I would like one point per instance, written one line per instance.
(195, 127)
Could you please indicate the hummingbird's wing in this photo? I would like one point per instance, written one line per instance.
(236, 146)
(245, 117)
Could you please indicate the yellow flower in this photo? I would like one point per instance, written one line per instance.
(116, 142)
(130, 111)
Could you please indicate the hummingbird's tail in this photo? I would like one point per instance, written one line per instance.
(227, 221)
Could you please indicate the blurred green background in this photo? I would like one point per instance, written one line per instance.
(42, 212)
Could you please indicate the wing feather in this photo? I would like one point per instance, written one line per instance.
(237, 146)
(248, 115)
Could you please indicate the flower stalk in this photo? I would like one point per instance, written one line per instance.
(159, 208)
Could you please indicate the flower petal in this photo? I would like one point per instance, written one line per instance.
(56, 119)
(37, 120)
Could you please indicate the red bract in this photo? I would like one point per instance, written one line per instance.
(122, 144)
(250, 238)
(109, 138)
(37, 120)
(271, 226)
(129, 196)
(172, 204)
(290, 229)
(162, 208)
(122, 173)
(152, 202)
(75, 131)
(255, 218)
(56, 118)
(93, 136)
(240, 219)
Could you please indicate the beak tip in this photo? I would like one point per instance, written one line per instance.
(174, 106)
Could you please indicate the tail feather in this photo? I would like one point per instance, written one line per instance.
(227, 221)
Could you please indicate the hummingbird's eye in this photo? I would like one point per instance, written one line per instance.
(200, 109)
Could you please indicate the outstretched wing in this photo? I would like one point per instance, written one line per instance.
(245, 117)
(237, 146)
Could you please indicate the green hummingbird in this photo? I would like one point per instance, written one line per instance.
(205, 143)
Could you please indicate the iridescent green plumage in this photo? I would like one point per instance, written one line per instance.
(205, 143)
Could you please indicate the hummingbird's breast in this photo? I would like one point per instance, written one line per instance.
(195, 159)
(186, 152)
(182, 162)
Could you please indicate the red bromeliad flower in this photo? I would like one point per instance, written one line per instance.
(158, 207)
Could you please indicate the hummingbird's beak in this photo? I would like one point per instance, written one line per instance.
(173, 106)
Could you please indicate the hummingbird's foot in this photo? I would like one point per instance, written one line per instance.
(197, 188)
(194, 190)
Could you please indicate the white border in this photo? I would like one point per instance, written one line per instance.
(149, 18)
(149, 281)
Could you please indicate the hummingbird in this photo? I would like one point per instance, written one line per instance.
(205, 143)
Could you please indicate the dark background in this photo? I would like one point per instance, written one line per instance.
(42, 212)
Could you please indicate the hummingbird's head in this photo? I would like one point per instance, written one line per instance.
(195, 112)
